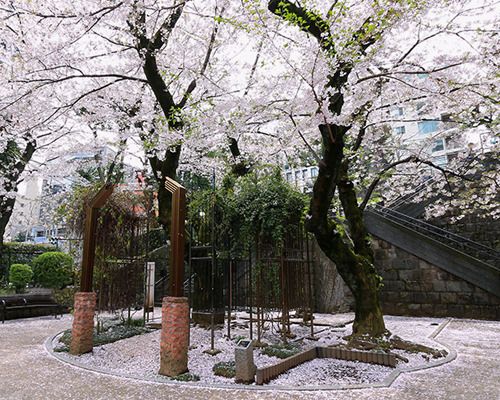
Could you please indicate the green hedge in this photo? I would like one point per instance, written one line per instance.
(53, 270)
(20, 253)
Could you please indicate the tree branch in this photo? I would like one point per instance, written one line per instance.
(306, 20)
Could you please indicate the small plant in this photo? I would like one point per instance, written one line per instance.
(109, 331)
(186, 377)
(227, 369)
(281, 350)
(19, 276)
(53, 270)
(236, 339)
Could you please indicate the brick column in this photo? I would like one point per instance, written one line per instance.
(174, 336)
(83, 323)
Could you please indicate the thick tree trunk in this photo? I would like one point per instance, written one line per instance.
(352, 256)
(360, 276)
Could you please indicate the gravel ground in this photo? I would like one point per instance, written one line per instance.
(28, 372)
(139, 356)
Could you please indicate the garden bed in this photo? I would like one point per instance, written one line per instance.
(138, 356)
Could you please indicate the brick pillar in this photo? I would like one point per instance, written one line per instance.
(174, 336)
(83, 323)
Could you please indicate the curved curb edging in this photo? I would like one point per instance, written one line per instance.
(387, 382)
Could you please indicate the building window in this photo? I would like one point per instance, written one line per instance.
(398, 112)
(314, 172)
(438, 145)
(425, 127)
(441, 160)
(420, 106)
(289, 177)
(400, 130)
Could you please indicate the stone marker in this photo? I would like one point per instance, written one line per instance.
(245, 367)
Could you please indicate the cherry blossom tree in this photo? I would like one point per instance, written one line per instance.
(372, 56)
(317, 79)
(25, 127)
(132, 66)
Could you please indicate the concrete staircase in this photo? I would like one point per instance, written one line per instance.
(471, 261)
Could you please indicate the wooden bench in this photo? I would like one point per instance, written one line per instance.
(25, 306)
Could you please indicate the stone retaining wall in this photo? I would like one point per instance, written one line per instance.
(415, 287)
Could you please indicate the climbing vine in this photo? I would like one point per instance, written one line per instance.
(255, 206)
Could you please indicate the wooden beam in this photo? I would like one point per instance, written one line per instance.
(89, 235)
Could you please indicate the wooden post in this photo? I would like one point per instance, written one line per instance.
(89, 236)
(85, 300)
(177, 236)
(174, 339)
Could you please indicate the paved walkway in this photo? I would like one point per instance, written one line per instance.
(28, 372)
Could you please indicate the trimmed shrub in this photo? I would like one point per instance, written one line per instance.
(227, 369)
(19, 276)
(53, 270)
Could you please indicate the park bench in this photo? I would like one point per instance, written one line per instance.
(25, 306)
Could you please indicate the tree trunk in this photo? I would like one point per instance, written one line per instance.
(351, 252)
(6, 207)
(11, 167)
(162, 169)
(352, 256)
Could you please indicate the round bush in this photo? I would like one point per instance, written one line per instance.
(19, 276)
(53, 270)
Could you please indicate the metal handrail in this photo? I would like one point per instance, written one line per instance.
(417, 225)
(405, 198)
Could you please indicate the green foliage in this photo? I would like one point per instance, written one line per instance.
(186, 377)
(266, 283)
(281, 350)
(19, 276)
(21, 253)
(268, 206)
(227, 369)
(53, 270)
(250, 207)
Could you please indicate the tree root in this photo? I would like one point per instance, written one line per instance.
(387, 343)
